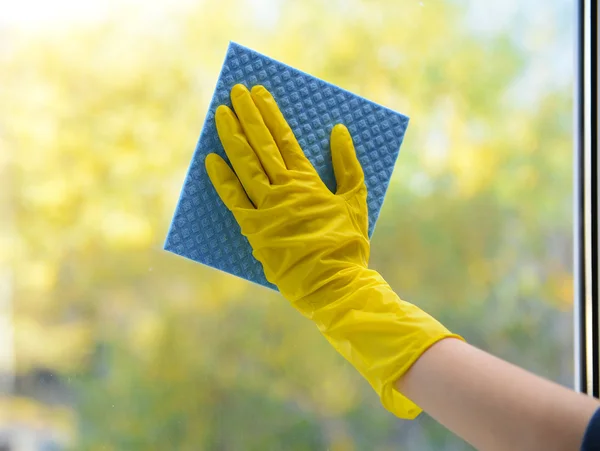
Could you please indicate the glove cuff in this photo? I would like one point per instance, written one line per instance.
(377, 332)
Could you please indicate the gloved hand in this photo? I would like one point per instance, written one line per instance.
(314, 245)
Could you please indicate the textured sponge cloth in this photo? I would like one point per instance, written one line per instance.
(204, 230)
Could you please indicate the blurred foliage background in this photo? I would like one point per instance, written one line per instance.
(110, 343)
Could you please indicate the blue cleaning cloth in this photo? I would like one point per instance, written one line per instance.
(204, 230)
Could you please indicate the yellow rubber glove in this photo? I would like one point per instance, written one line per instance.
(314, 245)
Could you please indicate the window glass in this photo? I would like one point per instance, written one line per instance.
(107, 342)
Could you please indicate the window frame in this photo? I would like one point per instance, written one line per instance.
(586, 207)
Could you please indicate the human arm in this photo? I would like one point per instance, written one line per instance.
(493, 404)
(313, 245)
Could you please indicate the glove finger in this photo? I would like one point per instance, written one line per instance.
(226, 183)
(280, 130)
(257, 134)
(243, 159)
(346, 167)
